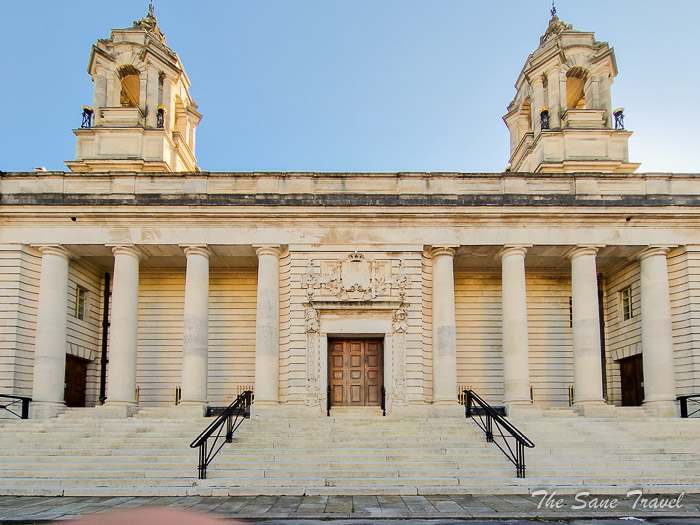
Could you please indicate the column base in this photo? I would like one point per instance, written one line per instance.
(661, 408)
(445, 409)
(46, 409)
(115, 411)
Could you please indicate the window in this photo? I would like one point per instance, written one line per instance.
(81, 303)
(626, 303)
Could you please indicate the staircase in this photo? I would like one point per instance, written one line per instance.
(344, 454)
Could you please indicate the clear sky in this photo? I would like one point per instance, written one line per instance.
(350, 85)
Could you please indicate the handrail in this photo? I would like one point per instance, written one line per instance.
(233, 416)
(684, 405)
(486, 421)
(24, 414)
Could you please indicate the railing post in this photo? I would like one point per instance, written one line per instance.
(328, 401)
(489, 427)
(25, 408)
(203, 460)
(383, 401)
(468, 404)
(229, 429)
(684, 406)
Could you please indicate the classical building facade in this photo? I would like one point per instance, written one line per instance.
(139, 280)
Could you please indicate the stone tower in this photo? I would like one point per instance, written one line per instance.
(561, 119)
(144, 117)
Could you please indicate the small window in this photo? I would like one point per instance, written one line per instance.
(81, 303)
(626, 303)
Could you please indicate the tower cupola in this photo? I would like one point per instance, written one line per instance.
(561, 119)
(143, 117)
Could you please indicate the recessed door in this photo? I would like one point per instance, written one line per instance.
(75, 381)
(355, 371)
(632, 378)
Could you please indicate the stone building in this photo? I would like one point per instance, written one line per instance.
(140, 280)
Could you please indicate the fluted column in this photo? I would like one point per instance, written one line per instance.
(51, 333)
(267, 326)
(657, 337)
(588, 373)
(123, 332)
(516, 366)
(195, 332)
(444, 330)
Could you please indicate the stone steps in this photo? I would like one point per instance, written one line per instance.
(359, 455)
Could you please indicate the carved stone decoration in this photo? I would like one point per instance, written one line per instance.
(355, 278)
(309, 280)
(311, 326)
(399, 327)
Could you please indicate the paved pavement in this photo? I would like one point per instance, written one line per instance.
(288, 510)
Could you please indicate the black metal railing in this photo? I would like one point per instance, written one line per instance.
(328, 401)
(690, 405)
(18, 406)
(506, 437)
(383, 401)
(231, 419)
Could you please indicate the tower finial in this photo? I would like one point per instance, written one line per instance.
(152, 10)
(554, 10)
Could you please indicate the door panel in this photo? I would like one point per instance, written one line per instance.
(75, 381)
(355, 372)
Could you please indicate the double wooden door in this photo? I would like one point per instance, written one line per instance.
(632, 379)
(355, 371)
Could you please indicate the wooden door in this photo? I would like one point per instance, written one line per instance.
(355, 372)
(632, 378)
(75, 381)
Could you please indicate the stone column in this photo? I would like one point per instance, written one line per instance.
(151, 96)
(123, 332)
(657, 338)
(444, 330)
(588, 374)
(168, 104)
(516, 366)
(537, 103)
(562, 94)
(605, 99)
(195, 332)
(100, 98)
(267, 326)
(554, 99)
(51, 334)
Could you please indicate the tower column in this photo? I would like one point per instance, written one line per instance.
(100, 99)
(605, 100)
(516, 366)
(51, 333)
(195, 332)
(444, 327)
(554, 99)
(588, 374)
(537, 103)
(657, 336)
(151, 96)
(562, 93)
(267, 326)
(121, 387)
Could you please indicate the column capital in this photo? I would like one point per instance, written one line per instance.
(512, 249)
(197, 249)
(126, 249)
(268, 249)
(437, 251)
(655, 249)
(54, 249)
(583, 249)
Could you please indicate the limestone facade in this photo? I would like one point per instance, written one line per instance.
(533, 286)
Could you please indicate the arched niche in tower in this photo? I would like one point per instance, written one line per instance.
(575, 83)
(525, 118)
(130, 86)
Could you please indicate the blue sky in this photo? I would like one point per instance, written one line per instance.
(350, 85)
